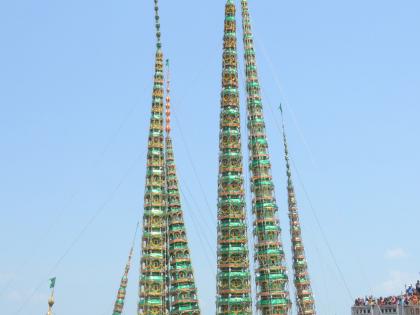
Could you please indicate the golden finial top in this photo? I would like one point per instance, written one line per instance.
(51, 301)
(51, 298)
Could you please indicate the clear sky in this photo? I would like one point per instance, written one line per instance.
(75, 95)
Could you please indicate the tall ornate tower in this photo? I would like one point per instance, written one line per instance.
(119, 303)
(182, 288)
(271, 275)
(233, 276)
(153, 269)
(304, 297)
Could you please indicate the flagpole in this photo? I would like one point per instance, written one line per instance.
(51, 303)
(51, 299)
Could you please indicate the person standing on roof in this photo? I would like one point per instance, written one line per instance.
(410, 290)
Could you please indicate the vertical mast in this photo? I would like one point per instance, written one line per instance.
(233, 276)
(182, 288)
(153, 271)
(51, 298)
(119, 303)
(50, 304)
(271, 274)
(305, 299)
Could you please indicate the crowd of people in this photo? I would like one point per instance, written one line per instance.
(410, 297)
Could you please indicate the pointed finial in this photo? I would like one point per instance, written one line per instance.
(130, 256)
(286, 150)
(305, 298)
(157, 24)
(168, 99)
(119, 303)
(50, 305)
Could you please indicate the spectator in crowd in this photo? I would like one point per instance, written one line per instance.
(390, 300)
(411, 297)
(410, 290)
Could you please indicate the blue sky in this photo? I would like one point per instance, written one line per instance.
(75, 95)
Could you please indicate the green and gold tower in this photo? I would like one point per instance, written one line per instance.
(271, 276)
(305, 302)
(233, 276)
(182, 289)
(153, 269)
(119, 302)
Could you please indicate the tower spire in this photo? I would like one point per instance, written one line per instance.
(157, 25)
(233, 276)
(119, 303)
(153, 269)
(182, 288)
(271, 275)
(304, 296)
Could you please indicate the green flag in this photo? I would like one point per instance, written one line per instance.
(52, 283)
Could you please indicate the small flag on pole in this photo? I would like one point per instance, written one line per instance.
(52, 283)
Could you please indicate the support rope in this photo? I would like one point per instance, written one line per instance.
(76, 192)
(92, 219)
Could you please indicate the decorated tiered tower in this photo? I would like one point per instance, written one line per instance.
(167, 285)
(119, 303)
(271, 275)
(153, 269)
(304, 297)
(182, 288)
(233, 276)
